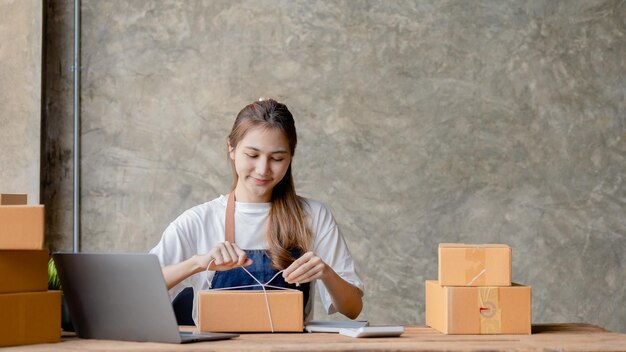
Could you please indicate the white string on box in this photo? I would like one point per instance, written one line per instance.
(476, 277)
(263, 286)
(476, 248)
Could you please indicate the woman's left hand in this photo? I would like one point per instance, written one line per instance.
(306, 269)
(346, 297)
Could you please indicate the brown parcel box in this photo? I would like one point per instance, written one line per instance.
(29, 318)
(474, 264)
(21, 226)
(478, 310)
(246, 311)
(23, 271)
(13, 199)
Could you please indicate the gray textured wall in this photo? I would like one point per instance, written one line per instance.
(419, 122)
(20, 96)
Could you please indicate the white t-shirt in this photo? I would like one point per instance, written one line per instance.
(201, 228)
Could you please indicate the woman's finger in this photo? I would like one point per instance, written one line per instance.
(231, 252)
(241, 255)
(226, 257)
(314, 273)
(311, 264)
(217, 257)
(305, 267)
(297, 263)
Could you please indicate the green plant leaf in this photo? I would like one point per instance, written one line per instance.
(53, 279)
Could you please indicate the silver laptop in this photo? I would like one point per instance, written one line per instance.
(121, 296)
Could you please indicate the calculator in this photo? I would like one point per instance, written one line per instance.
(374, 331)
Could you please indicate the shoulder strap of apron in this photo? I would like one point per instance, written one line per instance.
(229, 228)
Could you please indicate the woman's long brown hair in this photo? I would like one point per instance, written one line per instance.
(287, 228)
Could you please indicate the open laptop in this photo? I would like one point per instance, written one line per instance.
(121, 296)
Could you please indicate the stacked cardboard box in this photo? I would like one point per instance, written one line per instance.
(29, 313)
(474, 293)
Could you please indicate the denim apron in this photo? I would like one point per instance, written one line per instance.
(261, 266)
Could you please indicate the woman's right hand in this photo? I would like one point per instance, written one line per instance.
(224, 256)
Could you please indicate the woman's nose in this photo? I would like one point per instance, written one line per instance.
(262, 167)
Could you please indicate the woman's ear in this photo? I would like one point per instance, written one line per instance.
(231, 150)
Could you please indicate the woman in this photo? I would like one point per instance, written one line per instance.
(262, 225)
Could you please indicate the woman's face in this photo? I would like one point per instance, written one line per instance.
(261, 158)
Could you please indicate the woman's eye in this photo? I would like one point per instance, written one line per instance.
(251, 156)
(277, 159)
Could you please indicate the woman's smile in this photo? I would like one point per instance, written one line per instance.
(260, 182)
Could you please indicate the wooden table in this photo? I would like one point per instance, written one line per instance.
(561, 337)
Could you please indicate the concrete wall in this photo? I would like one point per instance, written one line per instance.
(21, 24)
(419, 123)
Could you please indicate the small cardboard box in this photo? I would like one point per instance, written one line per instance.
(13, 199)
(23, 271)
(478, 310)
(29, 318)
(474, 264)
(21, 226)
(246, 311)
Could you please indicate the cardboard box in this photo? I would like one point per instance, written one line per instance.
(478, 310)
(21, 226)
(29, 318)
(474, 264)
(246, 311)
(23, 271)
(13, 199)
